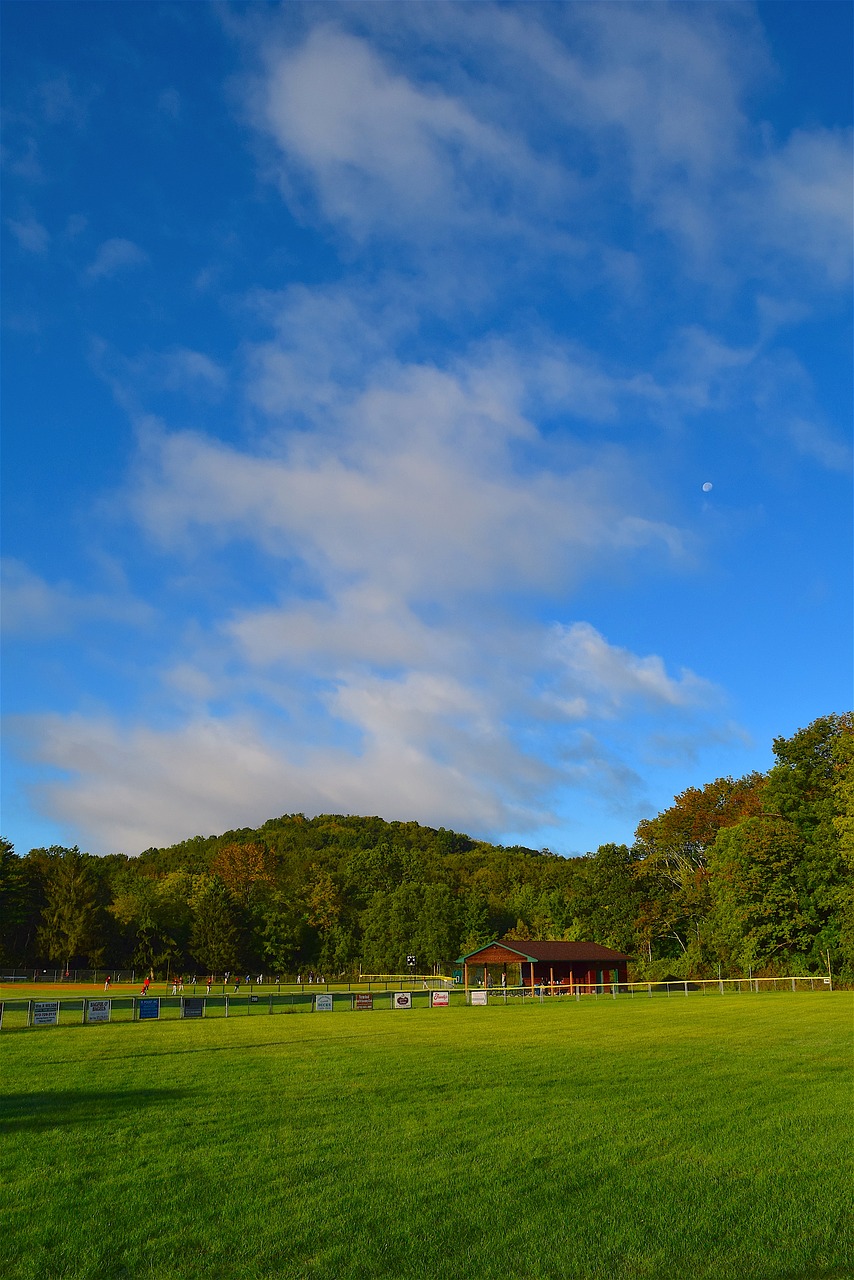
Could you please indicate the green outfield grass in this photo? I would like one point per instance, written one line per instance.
(605, 1139)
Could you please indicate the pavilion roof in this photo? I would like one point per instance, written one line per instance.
(549, 952)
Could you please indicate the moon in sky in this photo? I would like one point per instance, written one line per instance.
(708, 486)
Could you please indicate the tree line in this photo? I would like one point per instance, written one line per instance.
(754, 873)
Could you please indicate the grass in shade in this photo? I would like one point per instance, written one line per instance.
(702, 1137)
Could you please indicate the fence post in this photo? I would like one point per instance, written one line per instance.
(226, 1004)
(686, 988)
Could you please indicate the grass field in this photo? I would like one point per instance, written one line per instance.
(611, 1139)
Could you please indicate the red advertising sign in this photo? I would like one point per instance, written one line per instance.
(364, 1000)
(440, 999)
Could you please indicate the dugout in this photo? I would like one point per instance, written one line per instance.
(561, 967)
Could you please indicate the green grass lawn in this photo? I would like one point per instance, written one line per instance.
(706, 1137)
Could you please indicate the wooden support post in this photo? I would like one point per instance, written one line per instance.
(551, 981)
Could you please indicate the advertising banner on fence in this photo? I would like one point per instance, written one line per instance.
(98, 1011)
(477, 997)
(364, 1000)
(401, 1000)
(45, 1013)
(323, 1004)
(440, 999)
(149, 1008)
(193, 1007)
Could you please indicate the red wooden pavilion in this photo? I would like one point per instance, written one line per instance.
(566, 966)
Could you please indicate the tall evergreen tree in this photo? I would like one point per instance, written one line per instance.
(69, 928)
(214, 936)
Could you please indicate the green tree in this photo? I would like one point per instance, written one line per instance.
(475, 922)
(214, 937)
(755, 872)
(157, 913)
(70, 919)
(435, 937)
(804, 788)
(281, 932)
(608, 897)
(675, 843)
(16, 901)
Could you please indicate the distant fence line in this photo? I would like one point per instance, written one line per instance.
(63, 1011)
(55, 976)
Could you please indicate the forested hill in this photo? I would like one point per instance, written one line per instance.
(754, 872)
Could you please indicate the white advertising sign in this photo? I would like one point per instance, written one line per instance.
(323, 1004)
(440, 999)
(99, 1011)
(478, 997)
(45, 1013)
(401, 1000)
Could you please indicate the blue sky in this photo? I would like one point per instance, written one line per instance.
(363, 366)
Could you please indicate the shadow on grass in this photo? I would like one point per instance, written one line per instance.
(52, 1110)
(169, 1052)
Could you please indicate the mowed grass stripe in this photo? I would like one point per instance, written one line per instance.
(601, 1139)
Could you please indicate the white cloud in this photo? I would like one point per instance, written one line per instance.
(130, 788)
(38, 610)
(604, 679)
(385, 152)
(30, 234)
(454, 738)
(113, 256)
(814, 441)
(546, 123)
(185, 368)
(806, 201)
(415, 484)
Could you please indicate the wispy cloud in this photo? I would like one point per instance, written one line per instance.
(37, 610)
(602, 679)
(114, 256)
(30, 234)
(385, 153)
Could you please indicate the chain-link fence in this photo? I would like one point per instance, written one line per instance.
(70, 976)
